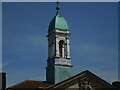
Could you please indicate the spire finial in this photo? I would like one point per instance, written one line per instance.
(57, 8)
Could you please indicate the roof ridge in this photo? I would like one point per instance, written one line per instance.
(35, 80)
(27, 81)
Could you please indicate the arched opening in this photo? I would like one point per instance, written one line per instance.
(62, 48)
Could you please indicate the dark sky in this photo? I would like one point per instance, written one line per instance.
(94, 34)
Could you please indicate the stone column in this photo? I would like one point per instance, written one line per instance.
(68, 48)
(63, 48)
(53, 50)
(57, 48)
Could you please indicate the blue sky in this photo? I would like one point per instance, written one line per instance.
(94, 35)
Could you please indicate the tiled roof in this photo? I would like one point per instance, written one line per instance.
(31, 84)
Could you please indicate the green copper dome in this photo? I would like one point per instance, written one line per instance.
(58, 22)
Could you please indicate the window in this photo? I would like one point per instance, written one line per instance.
(61, 48)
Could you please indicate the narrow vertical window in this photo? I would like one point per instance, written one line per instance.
(61, 48)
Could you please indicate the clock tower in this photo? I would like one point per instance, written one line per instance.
(59, 65)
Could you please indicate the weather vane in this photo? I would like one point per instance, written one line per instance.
(57, 8)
